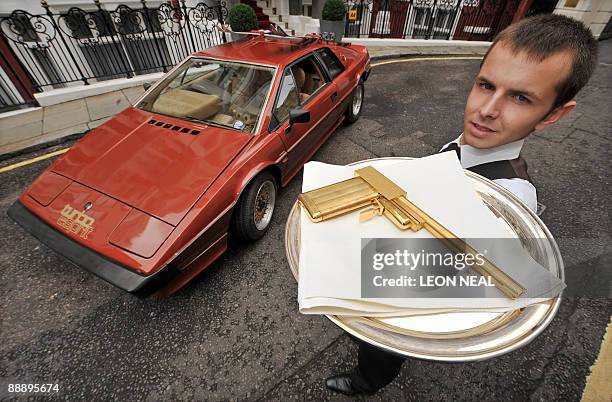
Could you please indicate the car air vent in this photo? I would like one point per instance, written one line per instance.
(173, 127)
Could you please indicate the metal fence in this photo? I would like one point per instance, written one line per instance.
(10, 96)
(92, 44)
(429, 19)
(14, 90)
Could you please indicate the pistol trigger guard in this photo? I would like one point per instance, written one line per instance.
(375, 209)
(378, 207)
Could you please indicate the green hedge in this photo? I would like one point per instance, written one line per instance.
(333, 10)
(242, 18)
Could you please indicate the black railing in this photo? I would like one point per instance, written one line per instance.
(429, 19)
(15, 91)
(13, 95)
(93, 44)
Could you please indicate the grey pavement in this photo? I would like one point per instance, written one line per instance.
(384, 52)
(235, 332)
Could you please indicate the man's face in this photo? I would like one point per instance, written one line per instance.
(512, 96)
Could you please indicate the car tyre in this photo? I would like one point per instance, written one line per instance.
(255, 208)
(353, 111)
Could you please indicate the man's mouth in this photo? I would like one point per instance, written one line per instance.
(481, 131)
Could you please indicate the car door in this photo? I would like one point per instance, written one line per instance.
(333, 70)
(302, 139)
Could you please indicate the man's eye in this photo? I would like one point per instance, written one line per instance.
(486, 86)
(521, 99)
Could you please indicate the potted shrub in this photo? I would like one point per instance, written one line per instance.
(242, 18)
(332, 18)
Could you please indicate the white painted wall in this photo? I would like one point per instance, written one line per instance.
(65, 112)
(593, 13)
(34, 7)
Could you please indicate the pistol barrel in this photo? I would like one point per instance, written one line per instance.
(500, 279)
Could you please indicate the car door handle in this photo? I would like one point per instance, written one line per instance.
(334, 96)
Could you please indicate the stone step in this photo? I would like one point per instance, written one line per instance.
(302, 25)
(283, 25)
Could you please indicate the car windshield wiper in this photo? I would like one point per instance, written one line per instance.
(209, 122)
(193, 118)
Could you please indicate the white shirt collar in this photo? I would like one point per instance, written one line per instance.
(471, 156)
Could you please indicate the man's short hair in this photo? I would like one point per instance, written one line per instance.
(543, 35)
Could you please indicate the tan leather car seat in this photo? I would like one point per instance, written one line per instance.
(312, 81)
(300, 78)
(182, 103)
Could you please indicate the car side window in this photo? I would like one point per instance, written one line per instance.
(331, 62)
(308, 78)
(287, 97)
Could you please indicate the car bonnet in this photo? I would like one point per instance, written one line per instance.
(161, 170)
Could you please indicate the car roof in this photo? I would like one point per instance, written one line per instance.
(266, 50)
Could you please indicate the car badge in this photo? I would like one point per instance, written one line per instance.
(76, 222)
(88, 206)
(238, 124)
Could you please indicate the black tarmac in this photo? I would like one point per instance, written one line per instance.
(235, 331)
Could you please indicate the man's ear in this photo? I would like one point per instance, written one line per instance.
(555, 115)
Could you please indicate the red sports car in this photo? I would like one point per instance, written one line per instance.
(146, 200)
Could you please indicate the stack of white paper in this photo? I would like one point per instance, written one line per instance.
(330, 254)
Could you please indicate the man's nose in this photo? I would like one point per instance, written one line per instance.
(491, 107)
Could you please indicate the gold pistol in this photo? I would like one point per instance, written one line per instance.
(370, 188)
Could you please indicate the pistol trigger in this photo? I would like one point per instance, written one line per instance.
(376, 209)
(368, 214)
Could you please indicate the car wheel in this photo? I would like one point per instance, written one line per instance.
(354, 109)
(256, 207)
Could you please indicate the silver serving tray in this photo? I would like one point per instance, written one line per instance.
(459, 336)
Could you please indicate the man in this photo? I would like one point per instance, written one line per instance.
(527, 82)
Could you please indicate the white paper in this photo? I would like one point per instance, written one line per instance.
(330, 254)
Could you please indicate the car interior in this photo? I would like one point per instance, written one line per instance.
(308, 79)
(229, 94)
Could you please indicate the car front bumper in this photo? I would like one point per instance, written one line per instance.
(116, 274)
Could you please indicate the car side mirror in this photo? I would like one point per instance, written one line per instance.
(146, 85)
(297, 115)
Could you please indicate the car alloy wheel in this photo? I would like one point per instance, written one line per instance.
(353, 111)
(265, 201)
(357, 100)
(253, 213)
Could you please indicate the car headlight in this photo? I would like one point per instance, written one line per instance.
(140, 234)
(47, 187)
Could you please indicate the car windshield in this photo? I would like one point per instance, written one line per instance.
(215, 92)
